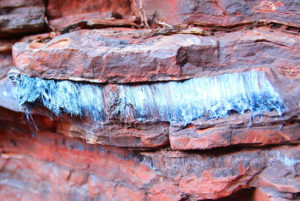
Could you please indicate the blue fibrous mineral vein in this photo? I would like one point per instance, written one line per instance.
(174, 101)
(62, 96)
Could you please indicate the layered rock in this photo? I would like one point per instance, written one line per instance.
(235, 130)
(222, 13)
(21, 17)
(97, 172)
(149, 100)
(67, 15)
(114, 56)
(179, 103)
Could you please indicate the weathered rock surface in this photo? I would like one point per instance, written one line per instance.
(235, 130)
(154, 131)
(109, 56)
(58, 9)
(37, 164)
(19, 17)
(222, 13)
(63, 14)
(118, 59)
(134, 134)
(269, 194)
(150, 100)
(115, 56)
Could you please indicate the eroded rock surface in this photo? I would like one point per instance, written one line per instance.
(19, 17)
(65, 15)
(115, 56)
(83, 170)
(149, 100)
(223, 13)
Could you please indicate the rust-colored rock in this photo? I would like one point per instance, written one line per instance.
(19, 17)
(234, 130)
(114, 172)
(6, 46)
(117, 56)
(136, 135)
(71, 12)
(58, 9)
(112, 56)
(269, 194)
(222, 13)
(142, 137)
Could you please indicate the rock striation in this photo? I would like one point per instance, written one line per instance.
(149, 100)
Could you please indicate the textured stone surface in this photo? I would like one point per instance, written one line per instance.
(58, 9)
(137, 152)
(235, 130)
(117, 56)
(259, 129)
(106, 12)
(134, 134)
(120, 62)
(109, 56)
(38, 162)
(19, 17)
(131, 134)
(256, 129)
(269, 194)
(222, 12)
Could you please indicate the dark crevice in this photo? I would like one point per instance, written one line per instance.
(242, 195)
(212, 28)
(98, 25)
(219, 151)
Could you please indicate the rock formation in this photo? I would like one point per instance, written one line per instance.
(149, 100)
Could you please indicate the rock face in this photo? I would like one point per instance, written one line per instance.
(34, 164)
(223, 13)
(115, 55)
(149, 100)
(21, 17)
(105, 13)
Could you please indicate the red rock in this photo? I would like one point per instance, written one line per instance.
(6, 46)
(221, 13)
(72, 158)
(57, 9)
(135, 135)
(19, 17)
(51, 166)
(234, 130)
(268, 194)
(119, 55)
(116, 61)
(119, 134)
(200, 134)
(120, 62)
(277, 179)
(66, 13)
